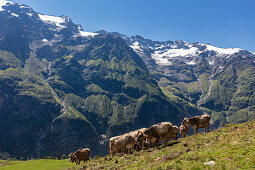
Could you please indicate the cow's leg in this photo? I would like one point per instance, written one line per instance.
(208, 130)
(165, 141)
(142, 144)
(76, 161)
(157, 143)
(195, 131)
(205, 129)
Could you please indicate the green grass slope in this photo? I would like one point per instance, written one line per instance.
(230, 147)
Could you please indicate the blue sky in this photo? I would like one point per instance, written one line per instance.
(223, 23)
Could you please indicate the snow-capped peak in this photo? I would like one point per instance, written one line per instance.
(135, 45)
(164, 53)
(50, 22)
(84, 33)
(53, 20)
(4, 3)
(223, 50)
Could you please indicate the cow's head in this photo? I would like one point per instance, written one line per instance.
(184, 130)
(72, 157)
(145, 139)
(185, 121)
(140, 136)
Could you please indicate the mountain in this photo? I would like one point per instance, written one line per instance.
(63, 88)
(219, 81)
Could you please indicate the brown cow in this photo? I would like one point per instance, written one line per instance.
(80, 155)
(158, 132)
(196, 122)
(115, 145)
(123, 143)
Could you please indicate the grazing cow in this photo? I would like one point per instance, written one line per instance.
(158, 132)
(196, 122)
(122, 143)
(115, 145)
(80, 155)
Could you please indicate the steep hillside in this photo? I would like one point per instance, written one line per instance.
(230, 147)
(63, 88)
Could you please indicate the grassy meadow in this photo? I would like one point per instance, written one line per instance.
(42, 164)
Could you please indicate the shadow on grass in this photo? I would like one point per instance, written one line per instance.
(173, 143)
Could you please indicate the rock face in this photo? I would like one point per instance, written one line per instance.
(218, 81)
(63, 88)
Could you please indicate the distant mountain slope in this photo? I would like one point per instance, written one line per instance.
(63, 88)
(217, 80)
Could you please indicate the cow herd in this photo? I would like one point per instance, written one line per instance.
(147, 137)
